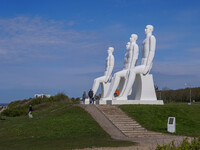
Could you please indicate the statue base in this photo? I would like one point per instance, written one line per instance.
(143, 88)
(124, 102)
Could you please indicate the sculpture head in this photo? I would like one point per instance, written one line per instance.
(128, 45)
(148, 29)
(133, 37)
(110, 50)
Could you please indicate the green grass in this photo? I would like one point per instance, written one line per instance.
(55, 126)
(155, 118)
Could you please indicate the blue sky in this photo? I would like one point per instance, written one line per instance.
(54, 46)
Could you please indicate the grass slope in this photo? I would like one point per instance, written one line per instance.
(155, 118)
(57, 126)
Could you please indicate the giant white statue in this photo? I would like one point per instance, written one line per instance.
(105, 80)
(130, 60)
(143, 91)
(135, 82)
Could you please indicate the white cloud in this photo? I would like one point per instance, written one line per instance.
(23, 38)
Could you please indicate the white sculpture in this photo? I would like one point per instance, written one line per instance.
(130, 60)
(135, 83)
(104, 80)
(148, 51)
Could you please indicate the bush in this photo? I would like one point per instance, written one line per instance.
(76, 100)
(61, 97)
(185, 145)
(14, 112)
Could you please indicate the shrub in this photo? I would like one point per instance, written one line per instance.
(185, 145)
(13, 112)
(76, 100)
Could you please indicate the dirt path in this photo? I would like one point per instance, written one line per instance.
(144, 143)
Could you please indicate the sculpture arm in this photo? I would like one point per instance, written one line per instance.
(129, 60)
(130, 56)
(134, 57)
(109, 69)
(152, 47)
(125, 61)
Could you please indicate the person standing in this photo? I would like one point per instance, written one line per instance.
(30, 112)
(90, 95)
(84, 96)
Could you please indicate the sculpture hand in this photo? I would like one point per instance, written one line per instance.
(127, 73)
(146, 70)
(107, 79)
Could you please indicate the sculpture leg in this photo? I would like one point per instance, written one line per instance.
(129, 82)
(115, 83)
(127, 86)
(96, 83)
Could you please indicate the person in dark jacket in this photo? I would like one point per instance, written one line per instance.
(90, 95)
(30, 112)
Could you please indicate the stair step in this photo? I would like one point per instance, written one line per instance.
(125, 123)
(133, 129)
(130, 128)
(121, 120)
(128, 124)
(141, 136)
(144, 133)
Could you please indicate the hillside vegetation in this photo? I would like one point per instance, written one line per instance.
(57, 124)
(179, 95)
(155, 118)
(20, 107)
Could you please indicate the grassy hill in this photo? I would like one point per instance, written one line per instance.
(56, 125)
(155, 118)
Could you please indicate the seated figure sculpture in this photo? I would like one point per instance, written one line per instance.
(130, 60)
(148, 51)
(104, 80)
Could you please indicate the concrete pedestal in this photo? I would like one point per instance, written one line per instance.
(121, 102)
(143, 88)
(104, 88)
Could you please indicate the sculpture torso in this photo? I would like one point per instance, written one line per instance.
(148, 52)
(109, 64)
(132, 53)
(129, 58)
(145, 51)
(125, 61)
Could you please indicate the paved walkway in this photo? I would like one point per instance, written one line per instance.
(121, 127)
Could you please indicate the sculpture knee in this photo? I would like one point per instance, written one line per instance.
(115, 75)
(96, 80)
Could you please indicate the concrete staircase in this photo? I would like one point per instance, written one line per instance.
(124, 123)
